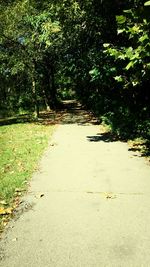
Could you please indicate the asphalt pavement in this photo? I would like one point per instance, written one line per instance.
(88, 205)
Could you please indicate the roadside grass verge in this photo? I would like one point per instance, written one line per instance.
(21, 146)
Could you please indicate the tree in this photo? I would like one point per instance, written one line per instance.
(29, 40)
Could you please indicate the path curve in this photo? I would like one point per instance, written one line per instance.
(88, 204)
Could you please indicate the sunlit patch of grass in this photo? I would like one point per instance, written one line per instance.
(21, 146)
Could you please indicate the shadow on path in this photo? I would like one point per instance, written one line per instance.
(78, 115)
(71, 112)
(103, 137)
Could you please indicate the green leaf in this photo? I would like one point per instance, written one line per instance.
(122, 56)
(48, 43)
(106, 45)
(121, 19)
(135, 29)
(147, 3)
(94, 73)
(118, 78)
(135, 82)
(129, 65)
(114, 52)
(120, 31)
(147, 66)
(143, 38)
(129, 52)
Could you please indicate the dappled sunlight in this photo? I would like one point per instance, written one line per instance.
(71, 113)
(74, 113)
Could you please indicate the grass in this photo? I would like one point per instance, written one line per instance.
(21, 146)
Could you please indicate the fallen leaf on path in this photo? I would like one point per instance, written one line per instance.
(53, 144)
(17, 202)
(40, 196)
(19, 190)
(4, 211)
(110, 196)
(5, 223)
(18, 194)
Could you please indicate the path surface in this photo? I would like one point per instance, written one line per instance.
(94, 208)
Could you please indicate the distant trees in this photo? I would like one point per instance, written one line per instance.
(28, 53)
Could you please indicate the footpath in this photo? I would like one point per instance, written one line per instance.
(87, 205)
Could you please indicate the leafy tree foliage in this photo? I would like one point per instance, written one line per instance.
(130, 60)
(100, 49)
(28, 48)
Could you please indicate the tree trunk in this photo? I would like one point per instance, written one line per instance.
(49, 87)
(36, 104)
(53, 89)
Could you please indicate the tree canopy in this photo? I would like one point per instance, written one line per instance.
(98, 49)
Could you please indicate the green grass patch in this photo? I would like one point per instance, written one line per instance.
(21, 146)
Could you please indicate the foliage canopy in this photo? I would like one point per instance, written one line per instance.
(99, 49)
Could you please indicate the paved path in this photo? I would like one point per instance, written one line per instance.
(94, 208)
